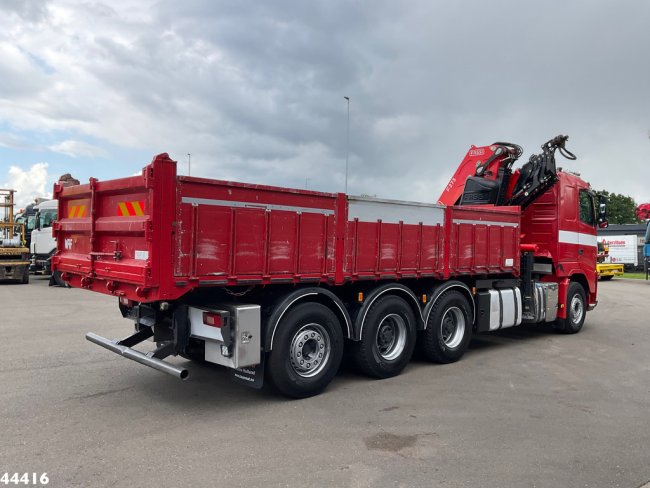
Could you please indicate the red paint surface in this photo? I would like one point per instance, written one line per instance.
(189, 245)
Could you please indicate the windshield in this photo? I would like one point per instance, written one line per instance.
(46, 217)
(31, 223)
(647, 234)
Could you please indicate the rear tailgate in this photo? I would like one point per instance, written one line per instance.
(105, 232)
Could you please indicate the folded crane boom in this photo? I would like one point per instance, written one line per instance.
(485, 175)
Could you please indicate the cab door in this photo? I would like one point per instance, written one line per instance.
(587, 244)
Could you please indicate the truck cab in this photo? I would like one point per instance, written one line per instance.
(43, 245)
(561, 224)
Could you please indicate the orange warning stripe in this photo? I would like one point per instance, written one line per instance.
(77, 211)
(130, 209)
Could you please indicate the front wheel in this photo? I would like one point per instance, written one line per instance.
(448, 330)
(307, 351)
(606, 278)
(576, 310)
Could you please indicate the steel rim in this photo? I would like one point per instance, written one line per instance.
(453, 327)
(391, 336)
(310, 350)
(577, 309)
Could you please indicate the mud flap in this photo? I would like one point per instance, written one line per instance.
(251, 376)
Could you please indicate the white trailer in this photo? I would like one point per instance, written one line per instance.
(622, 249)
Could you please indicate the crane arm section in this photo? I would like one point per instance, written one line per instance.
(485, 175)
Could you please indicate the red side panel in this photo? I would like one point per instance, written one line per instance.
(393, 239)
(484, 240)
(235, 233)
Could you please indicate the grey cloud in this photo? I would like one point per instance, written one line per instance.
(255, 90)
(28, 10)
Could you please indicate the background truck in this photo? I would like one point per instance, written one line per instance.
(14, 263)
(277, 282)
(43, 244)
(622, 250)
(28, 218)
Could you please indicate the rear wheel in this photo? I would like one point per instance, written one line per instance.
(448, 330)
(25, 279)
(57, 280)
(576, 310)
(307, 351)
(387, 339)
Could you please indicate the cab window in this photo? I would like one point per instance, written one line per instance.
(587, 208)
(46, 217)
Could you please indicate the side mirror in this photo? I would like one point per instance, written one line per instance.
(602, 211)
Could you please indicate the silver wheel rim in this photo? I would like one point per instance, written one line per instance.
(453, 327)
(391, 336)
(310, 350)
(577, 309)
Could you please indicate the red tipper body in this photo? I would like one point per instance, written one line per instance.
(157, 236)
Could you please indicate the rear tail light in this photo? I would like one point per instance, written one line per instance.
(213, 319)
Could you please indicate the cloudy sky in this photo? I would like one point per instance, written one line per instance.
(254, 90)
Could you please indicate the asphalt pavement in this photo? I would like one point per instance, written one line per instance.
(525, 407)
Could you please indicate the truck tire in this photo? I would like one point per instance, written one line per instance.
(576, 309)
(448, 329)
(388, 338)
(25, 279)
(606, 278)
(307, 351)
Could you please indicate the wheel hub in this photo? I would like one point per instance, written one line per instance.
(310, 350)
(453, 327)
(391, 337)
(577, 309)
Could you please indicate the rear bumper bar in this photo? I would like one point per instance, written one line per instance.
(129, 353)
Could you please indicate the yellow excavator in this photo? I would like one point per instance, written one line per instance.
(14, 255)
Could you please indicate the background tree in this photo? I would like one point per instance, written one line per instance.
(621, 209)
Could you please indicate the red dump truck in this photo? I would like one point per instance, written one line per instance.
(275, 282)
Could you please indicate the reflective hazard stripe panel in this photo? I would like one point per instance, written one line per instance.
(138, 207)
(130, 209)
(76, 211)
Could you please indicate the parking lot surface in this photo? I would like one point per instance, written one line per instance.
(525, 407)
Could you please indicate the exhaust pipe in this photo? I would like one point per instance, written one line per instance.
(129, 353)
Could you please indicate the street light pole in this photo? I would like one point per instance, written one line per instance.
(189, 164)
(347, 147)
